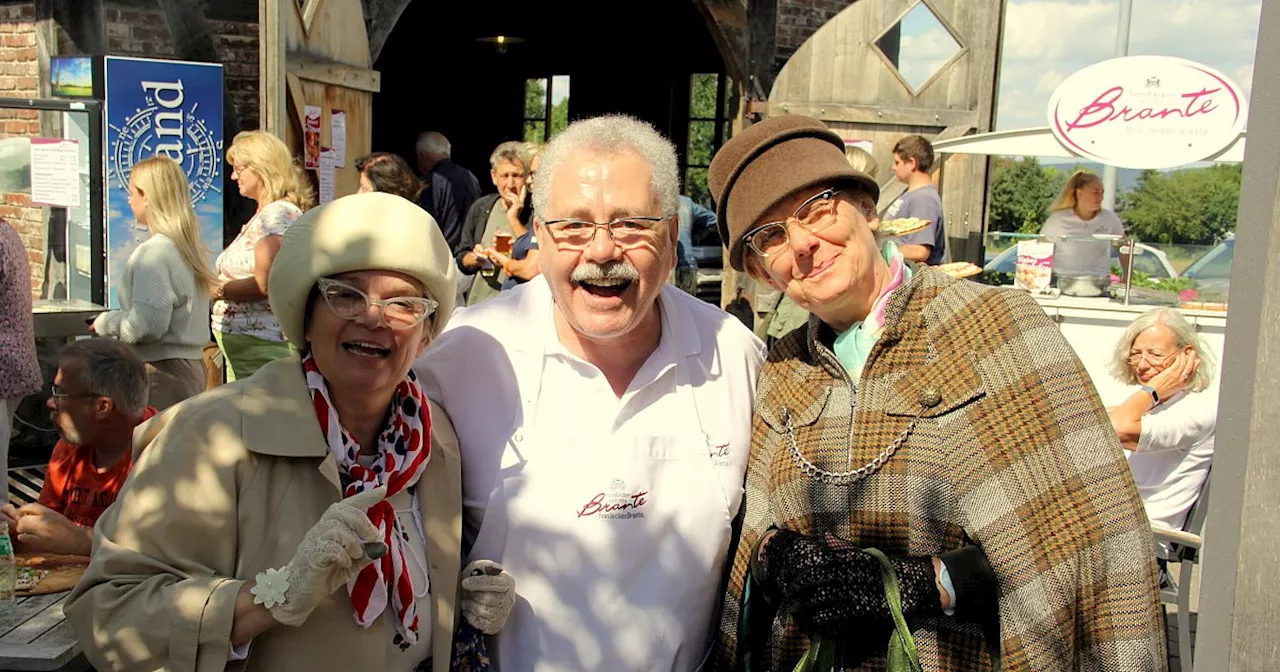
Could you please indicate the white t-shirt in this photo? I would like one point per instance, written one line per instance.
(1175, 451)
(470, 372)
(1082, 257)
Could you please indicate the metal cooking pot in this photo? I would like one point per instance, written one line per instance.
(1084, 285)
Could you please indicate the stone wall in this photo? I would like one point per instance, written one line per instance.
(19, 79)
(797, 21)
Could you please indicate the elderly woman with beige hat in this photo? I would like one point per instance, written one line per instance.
(922, 442)
(309, 516)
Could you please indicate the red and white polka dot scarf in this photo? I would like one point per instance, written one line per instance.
(404, 447)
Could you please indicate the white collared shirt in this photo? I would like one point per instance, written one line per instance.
(502, 359)
(469, 371)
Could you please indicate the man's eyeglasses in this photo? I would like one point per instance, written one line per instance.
(814, 215)
(626, 232)
(59, 394)
(349, 303)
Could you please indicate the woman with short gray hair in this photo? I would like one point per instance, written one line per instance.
(1167, 425)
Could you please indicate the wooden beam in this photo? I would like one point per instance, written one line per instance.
(298, 96)
(381, 17)
(1238, 614)
(727, 21)
(315, 69)
(873, 114)
(271, 66)
(762, 46)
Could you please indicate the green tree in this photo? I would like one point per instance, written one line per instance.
(1021, 192)
(560, 116)
(1195, 206)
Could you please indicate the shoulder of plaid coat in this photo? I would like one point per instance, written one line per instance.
(1013, 451)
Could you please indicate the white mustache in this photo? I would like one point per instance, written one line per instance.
(617, 270)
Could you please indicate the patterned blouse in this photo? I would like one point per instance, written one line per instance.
(237, 261)
(19, 370)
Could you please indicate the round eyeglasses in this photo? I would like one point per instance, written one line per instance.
(815, 214)
(349, 303)
(625, 232)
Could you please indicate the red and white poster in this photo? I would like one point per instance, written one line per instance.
(311, 138)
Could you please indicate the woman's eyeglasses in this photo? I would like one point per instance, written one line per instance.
(1151, 358)
(814, 215)
(349, 303)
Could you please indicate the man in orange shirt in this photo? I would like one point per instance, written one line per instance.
(99, 396)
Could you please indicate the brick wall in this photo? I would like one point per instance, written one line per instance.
(136, 28)
(237, 45)
(798, 20)
(18, 79)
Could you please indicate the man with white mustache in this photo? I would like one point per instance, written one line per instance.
(604, 419)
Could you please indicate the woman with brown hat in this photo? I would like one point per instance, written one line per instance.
(307, 517)
(914, 420)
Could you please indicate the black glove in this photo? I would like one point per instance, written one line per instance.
(832, 587)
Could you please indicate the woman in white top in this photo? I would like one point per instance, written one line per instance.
(243, 323)
(165, 294)
(1169, 423)
(1078, 212)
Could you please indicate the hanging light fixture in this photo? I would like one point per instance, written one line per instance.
(500, 42)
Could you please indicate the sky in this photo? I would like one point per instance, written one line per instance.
(926, 46)
(1047, 40)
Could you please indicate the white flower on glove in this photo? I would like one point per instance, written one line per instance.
(488, 595)
(271, 587)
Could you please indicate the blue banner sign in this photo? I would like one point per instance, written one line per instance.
(161, 107)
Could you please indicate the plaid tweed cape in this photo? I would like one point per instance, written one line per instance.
(1019, 457)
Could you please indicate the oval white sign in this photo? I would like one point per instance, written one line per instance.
(1147, 112)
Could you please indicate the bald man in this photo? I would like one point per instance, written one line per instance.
(449, 189)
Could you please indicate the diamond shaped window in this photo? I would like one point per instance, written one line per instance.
(918, 46)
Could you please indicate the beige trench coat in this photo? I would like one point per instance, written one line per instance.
(227, 486)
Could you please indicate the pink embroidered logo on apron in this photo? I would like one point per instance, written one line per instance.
(620, 502)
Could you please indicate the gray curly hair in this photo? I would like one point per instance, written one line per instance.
(611, 135)
(1183, 335)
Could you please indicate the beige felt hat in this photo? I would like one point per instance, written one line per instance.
(373, 231)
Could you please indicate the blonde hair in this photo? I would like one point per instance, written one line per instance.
(169, 212)
(269, 158)
(861, 160)
(1067, 199)
(1183, 335)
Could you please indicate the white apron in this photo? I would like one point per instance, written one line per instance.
(618, 551)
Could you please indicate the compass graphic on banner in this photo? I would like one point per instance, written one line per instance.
(162, 126)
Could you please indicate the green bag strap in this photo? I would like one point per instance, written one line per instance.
(902, 655)
(820, 656)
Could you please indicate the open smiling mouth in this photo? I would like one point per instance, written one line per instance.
(366, 349)
(605, 288)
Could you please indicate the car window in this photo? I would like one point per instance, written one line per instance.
(1147, 262)
(1215, 264)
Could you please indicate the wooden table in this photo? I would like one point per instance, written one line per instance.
(34, 635)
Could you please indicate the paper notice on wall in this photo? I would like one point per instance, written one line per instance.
(311, 137)
(326, 168)
(338, 136)
(55, 172)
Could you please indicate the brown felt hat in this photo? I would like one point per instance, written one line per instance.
(769, 161)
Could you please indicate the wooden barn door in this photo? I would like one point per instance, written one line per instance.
(883, 69)
(316, 53)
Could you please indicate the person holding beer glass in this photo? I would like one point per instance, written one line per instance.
(495, 221)
(518, 258)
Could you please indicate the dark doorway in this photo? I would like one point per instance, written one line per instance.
(635, 58)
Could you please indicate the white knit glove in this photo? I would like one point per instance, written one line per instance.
(488, 594)
(332, 553)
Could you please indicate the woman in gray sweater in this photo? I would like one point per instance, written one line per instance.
(164, 296)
